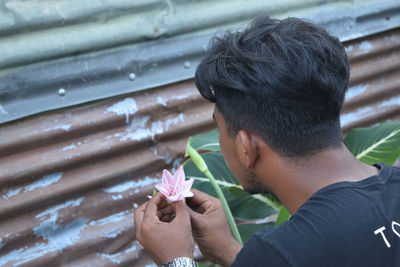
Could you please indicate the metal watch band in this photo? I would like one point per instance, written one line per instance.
(181, 262)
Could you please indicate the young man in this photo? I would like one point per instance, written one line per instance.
(278, 88)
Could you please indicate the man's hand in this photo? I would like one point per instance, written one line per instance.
(211, 229)
(164, 230)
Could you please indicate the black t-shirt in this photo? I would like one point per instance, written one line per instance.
(343, 224)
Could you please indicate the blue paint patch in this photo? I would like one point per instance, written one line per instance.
(45, 181)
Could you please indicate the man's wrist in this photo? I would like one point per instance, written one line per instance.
(181, 262)
(230, 253)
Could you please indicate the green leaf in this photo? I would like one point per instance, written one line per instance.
(247, 207)
(208, 141)
(237, 191)
(283, 215)
(268, 199)
(375, 144)
(154, 192)
(247, 230)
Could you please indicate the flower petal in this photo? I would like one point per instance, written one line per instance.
(174, 198)
(187, 193)
(167, 177)
(163, 189)
(179, 177)
(187, 184)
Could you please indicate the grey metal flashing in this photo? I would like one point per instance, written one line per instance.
(84, 77)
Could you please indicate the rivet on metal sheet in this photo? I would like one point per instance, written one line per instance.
(61, 92)
(132, 76)
(187, 64)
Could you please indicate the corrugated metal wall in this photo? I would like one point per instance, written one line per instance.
(71, 179)
(55, 54)
(374, 91)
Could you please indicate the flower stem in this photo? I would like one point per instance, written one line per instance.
(201, 165)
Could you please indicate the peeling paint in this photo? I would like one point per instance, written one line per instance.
(60, 237)
(391, 102)
(112, 257)
(356, 90)
(57, 237)
(53, 211)
(116, 217)
(117, 197)
(126, 106)
(45, 181)
(175, 165)
(119, 188)
(12, 193)
(162, 101)
(156, 128)
(174, 121)
(365, 46)
(23, 255)
(183, 96)
(69, 147)
(349, 48)
(166, 157)
(65, 127)
(133, 248)
(112, 234)
(354, 116)
(137, 130)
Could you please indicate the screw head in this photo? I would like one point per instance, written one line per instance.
(132, 76)
(61, 92)
(187, 64)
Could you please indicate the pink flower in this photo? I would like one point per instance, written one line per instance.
(174, 187)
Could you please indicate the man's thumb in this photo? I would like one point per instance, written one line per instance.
(181, 209)
(195, 218)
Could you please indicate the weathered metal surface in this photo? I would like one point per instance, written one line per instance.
(55, 54)
(374, 91)
(71, 179)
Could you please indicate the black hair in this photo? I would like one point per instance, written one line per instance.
(282, 80)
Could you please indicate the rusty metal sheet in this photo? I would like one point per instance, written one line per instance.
(70, 179)
(374, 91)
(57, 53)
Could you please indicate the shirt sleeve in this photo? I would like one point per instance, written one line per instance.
(257, 252)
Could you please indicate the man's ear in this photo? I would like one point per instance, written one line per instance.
(247, 148)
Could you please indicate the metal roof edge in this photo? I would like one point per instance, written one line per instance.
(55, 84)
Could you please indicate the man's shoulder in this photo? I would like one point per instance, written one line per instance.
(340, 219)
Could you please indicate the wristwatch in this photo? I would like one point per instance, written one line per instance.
(181, 262)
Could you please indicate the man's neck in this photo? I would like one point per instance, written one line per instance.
(294, 181)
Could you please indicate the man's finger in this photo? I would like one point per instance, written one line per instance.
(138, 216)
(181, 211)
(166, 218)
(201, 202)
(194, 216)
(153, 205)
(199, 198)
(165, 211)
